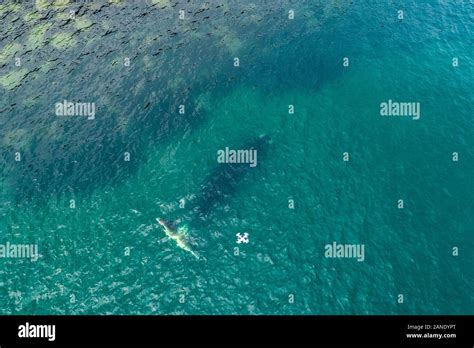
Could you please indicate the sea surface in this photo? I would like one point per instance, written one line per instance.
(92, 214)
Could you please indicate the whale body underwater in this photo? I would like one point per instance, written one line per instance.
(224, 179)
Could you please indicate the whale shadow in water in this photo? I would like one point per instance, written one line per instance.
(224, 180)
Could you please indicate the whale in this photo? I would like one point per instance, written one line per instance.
(178, 236)
(224, 179)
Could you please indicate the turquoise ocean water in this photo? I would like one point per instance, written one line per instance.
(109, 256)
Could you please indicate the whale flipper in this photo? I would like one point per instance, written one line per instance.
(178, 236)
